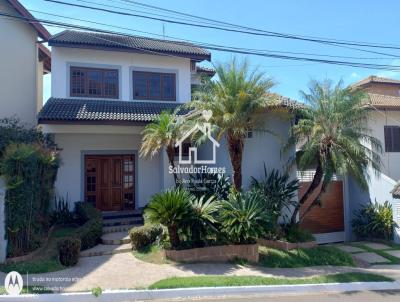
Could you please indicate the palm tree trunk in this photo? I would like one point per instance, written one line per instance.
(235, 147)
(314, 202)
(173, 236)
(313, 186)
(171, 159)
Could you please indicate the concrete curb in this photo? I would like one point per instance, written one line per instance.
(132, 295)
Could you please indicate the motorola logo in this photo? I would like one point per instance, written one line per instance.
(13, 283)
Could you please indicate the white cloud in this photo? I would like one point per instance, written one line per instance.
(354, 75)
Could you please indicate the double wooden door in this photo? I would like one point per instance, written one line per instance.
(109, 182)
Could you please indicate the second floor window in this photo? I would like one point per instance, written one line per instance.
(392, 138)
(154, 86)
(94, 83)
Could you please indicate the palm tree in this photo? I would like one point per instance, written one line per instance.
(163, 132)
(234, 100)
(333, 137)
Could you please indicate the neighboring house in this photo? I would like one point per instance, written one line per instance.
(23, 62)
(105, 89)
(384, 95)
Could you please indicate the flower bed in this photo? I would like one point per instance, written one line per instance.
(221, 253)
(286, 246)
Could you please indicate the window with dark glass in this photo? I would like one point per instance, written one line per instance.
(154, 86)
(392, 138)
(94, 83)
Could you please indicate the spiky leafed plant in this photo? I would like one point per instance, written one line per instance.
(162, 133)
(234, 99)
(203, 218)
(172, 209)
(334, 137)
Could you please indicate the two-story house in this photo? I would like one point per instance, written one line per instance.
(105, 89)
(23, 62)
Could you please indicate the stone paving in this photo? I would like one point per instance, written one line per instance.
(370, 258)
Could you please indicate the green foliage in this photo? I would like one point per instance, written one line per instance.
(294, 233)
(97, 291)
(30, 171)
(91, 222)
(202, 221)
(374, 221)
(143, 236)
(235, 99)
(242, 218)
(61, 213)
(171, 209)
(12, 131)
(68, 250)
(276, 191)
(210, 184)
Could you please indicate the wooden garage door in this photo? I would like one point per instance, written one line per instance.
(330, 216)
(109, 182)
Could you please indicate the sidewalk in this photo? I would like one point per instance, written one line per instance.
(124, 271)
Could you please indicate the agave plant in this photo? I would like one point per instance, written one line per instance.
(242, 218)
(203, 218)
(172, 209)
(276, 191)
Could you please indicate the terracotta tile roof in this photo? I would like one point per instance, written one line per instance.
(382, 101)
(128, 43)
(283, 101)
(208, 71)
(42, 32)
(58, 110)
(375, 79)
(396, 191)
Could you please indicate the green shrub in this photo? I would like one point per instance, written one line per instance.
(61, 213)
(276, 191)
(242, 218)
(30, 171)
(172, 209)
(91, 222)
(210, 184)
(68, 251)
(294, 233)
(374, 221)
(145, 235)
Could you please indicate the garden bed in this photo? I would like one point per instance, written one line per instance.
(286, 246)
(222, 253)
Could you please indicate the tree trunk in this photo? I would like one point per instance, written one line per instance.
(235, 147)
(171, 160)
(313, 186)
(173, 236)
(313, 203)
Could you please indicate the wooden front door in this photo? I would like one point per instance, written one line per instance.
(109, 182)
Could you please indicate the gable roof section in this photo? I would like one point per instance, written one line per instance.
(381, 101)
(128, 43)
(396, 191)
(42, 32)
(375, 79)
(89, 111)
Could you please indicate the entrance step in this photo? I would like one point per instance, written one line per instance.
(122, 214)
(122, 221)
(116, 238)
(102, 249)
(118, 228)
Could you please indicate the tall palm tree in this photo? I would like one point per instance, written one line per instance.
(162, 133)
(234, 99)
(334, 137)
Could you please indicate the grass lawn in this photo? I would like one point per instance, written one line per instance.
(28, 290)
(321, 255)
(45, 262)
(152, 254)
(215, 281)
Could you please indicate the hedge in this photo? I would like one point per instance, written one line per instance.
(144, 235)
(91, 222)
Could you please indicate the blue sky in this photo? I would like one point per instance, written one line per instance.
(350, 20)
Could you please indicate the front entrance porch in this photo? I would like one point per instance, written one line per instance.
(110, 182)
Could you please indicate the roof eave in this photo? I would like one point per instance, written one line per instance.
(194, 57)
(91, 122)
